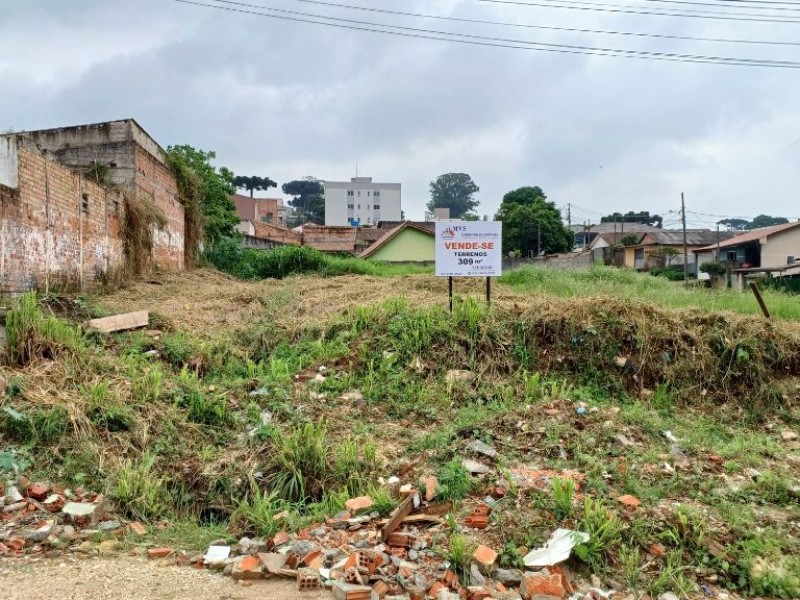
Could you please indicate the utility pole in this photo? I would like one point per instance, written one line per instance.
(717, 257)
(569, 215)
(685, 245)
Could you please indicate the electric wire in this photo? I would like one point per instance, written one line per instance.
(472, 39)
(634, 10)
(550, 27)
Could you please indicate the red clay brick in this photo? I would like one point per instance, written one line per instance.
(159, 552)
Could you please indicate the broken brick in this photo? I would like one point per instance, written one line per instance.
(38, 491)
(280, 538)
(434, 590)
(307, 580)
(159, 552)
(431, 486)
(380, 589)
(539, 584)
(359, 505)
(401, 540)
(137, 528)
(485, 555)
(629, 501)
(311, 556)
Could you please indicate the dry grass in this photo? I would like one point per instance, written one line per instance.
(207, 302)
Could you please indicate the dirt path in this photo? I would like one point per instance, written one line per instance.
(124, 578)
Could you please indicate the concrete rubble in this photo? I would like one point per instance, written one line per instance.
(356, 554)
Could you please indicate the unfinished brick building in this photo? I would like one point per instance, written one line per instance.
(58, 228)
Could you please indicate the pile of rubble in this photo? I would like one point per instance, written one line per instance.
(359, 556)
(40, 518)
(356, 554)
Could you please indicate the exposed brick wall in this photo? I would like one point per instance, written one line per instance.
(135, 161)
(57, 230)
(279, 235)
(153, 178)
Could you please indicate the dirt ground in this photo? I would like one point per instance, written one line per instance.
(123, 578)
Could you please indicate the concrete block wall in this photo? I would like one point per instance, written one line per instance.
(57, 229)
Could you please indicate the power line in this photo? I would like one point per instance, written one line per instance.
(747, 4)
(549, 27)
(633, 10)
(478, 40)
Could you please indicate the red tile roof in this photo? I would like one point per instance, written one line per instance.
(750, 236)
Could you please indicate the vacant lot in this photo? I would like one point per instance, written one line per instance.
(600, 383)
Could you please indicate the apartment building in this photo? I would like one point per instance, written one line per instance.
(361, 202)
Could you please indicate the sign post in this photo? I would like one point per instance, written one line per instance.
(469, 249)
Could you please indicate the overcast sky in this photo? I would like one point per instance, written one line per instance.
(287, 99)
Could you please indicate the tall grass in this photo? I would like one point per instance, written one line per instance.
(230, 256)
(31, 334)
(630, 285)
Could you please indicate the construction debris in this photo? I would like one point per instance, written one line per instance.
(123, 322)
(557, 549)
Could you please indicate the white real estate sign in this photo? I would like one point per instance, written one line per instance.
(469, 249)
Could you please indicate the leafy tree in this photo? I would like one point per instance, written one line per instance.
(767, 221)
(455, 191)
(643, 217)
(211, 186)
(756, 223)
(529, 217)
(254, 183)
(630, 240)
(735, 224)
(308, 199)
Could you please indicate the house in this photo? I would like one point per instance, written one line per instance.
(665, 248)
(586, 234)
(408, 242)
(264, 210)
(60, 227)
(361, 201)
(767, 251)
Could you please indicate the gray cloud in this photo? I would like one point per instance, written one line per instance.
(287, 99)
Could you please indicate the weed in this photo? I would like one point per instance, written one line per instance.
(353, 463)
(672, 576)
(510, 557)
(138, 491)
(147, 386)
(603, 527)
(630, 560)
(30, 334)
(177, 349)
(454, 480)
(384, 503)
(300, 462)
(563, 496)
(459, 554)
(36, 425)
(259, 512)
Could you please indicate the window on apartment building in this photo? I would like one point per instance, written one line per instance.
(359, 193)
(350, 206)
(368, 193)
(85, 203)
(377, 207)
(350, 193)
(377, 193)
